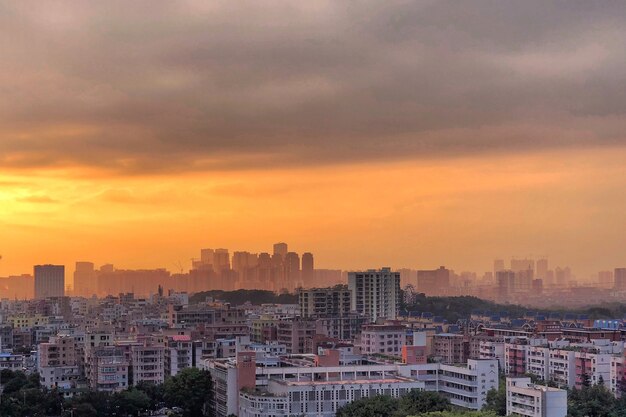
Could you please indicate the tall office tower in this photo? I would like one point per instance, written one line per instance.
(240, 261)
(505, 280)
(292, 270)
(245, 265)
(324, 302)
(277, 275)
(522, 265)
(280, 249)
(85, 282)
(498, 265)
(620, 278)
(49, 281)
(308, 269)
(562, 276)
(207, 256)
(523, 280)
(542, 269)
(265, 271)
(221, 260)
(375, 294)
(605, 279)
(433, 282)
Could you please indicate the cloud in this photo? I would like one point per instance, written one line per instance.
(37, 199)
(155, 86)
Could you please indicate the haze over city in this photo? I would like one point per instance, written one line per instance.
(410, 135)
(276, 208)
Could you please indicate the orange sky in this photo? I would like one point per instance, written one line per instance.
(461, 212)
(407, 134)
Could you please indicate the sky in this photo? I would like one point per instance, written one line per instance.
(408, 134)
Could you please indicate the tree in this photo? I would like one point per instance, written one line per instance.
(419, 402)
(378, 406)
(191, 390)
(457, 413)
(496, 402)
(593, 401)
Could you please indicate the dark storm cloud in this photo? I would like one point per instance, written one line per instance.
(174, 86)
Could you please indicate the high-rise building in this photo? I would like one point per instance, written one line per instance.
(522, 265)
(605, 279)
(49, 281)
(498, 265)
(562, 276)
(292, 270)
(206, 256)
(280, 249)
(221, 260)
(542, 269)
(308, 269)
(85, 281)
(505, 280)
(265, 271)
(433, 282)
(324, 302)
(620, 278)
(277, 275)
(375, 294)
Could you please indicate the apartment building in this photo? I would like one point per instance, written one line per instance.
(109, 369)
(266, 386)
(178, 355)
(375, 293)
(526, 399)
(148, 362)
(382, 339)
(324, 302)
(296, 334)
(450, 348)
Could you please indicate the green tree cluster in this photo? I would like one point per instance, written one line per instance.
(190, 390)
(414, 403)
(239, 297)
(595, 401)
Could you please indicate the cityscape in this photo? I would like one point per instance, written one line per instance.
(217, 208)
(333, 338)
(528, 282)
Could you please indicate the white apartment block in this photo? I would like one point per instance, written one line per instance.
(562, 367)
(375, 293)
(178, 354)
(538, 361)
(317, 398)
(383, 339)
(281, 382)
(529, 400)
(148, 364)
(492, 349)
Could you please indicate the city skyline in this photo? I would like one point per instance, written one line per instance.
(414, 135)
(312, 208)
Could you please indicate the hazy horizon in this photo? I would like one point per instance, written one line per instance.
(406, 134)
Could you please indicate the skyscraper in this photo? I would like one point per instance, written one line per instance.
(505, 280)
(85, 282)
(221, 260)
(375, 294)
(433, 282)
(308, 269)
(522, 265)
(292, 270)
(620, 278)
(206, 256)
(542, 268)
(498, 265)
(49, 281)
(280, 249)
